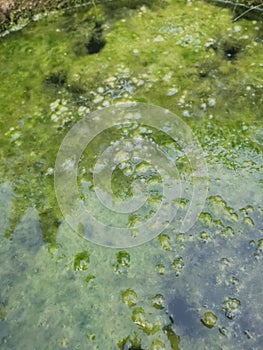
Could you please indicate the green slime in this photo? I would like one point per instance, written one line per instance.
(201, 289)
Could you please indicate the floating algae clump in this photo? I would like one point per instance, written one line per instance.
(209, 319)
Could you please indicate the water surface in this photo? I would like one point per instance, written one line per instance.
(200, 289)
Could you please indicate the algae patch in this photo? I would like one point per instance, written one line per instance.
(200, 289)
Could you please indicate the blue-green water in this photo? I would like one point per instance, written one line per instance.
(201, 289)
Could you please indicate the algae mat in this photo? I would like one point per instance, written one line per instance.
(201, 288)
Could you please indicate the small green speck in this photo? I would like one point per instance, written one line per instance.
(129, 297)
(81, 261)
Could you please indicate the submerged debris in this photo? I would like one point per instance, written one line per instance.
(249, 9)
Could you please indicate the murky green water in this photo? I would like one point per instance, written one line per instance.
(201, 289)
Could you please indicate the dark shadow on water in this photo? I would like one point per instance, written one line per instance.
(182, 315)
(96, 42)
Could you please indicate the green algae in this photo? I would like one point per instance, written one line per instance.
(209, 319)
(58, 290)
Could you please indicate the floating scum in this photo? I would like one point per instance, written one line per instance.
(110, 220)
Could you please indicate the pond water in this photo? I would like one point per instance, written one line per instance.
(199, 289)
